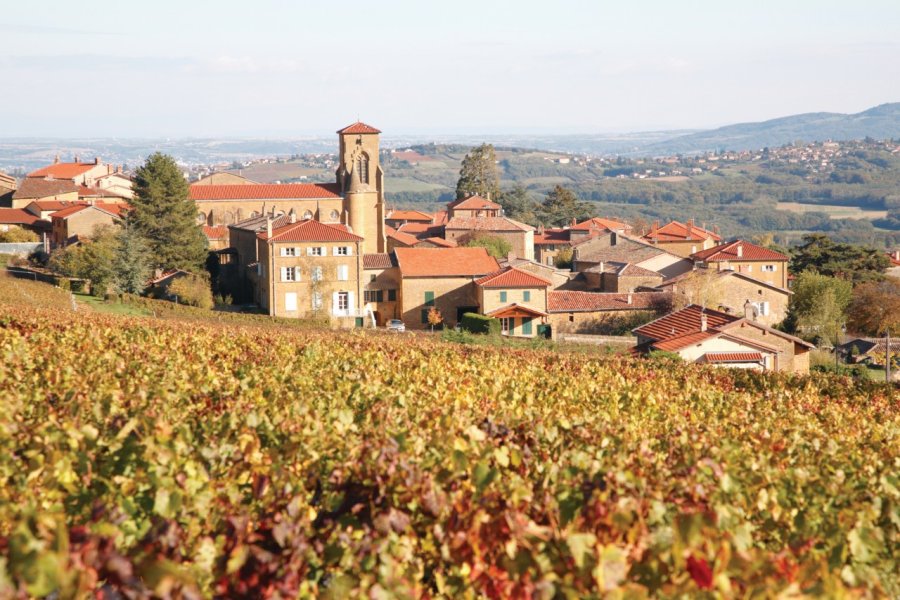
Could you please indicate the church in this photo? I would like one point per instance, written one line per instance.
(355, 201)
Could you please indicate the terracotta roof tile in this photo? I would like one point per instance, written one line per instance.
(265, 191)
(445, 262)
(510, 277)
(729, 252)
(487, 224)
(115, 210)
(403, 237)
(17, 216)
(552, 237)
(63, 170)
(601, 223)
(516, 310)
(569, 301)
(676, 231)
(686, 320)
(259, 223)
(309, 230)
(422, 230)
(377, 261)
(215, 232)
(475, 203)
(43, 188)
(409, 215)
(732, 357)
(358, 127)
(438, 241)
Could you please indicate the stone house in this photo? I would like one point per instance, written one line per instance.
(601, 313)
(473, 207)
(43, 190)
(517, 297)
(748, 259)
(616, 247)
(616, 277)
(79, 221)
(682, 239)
(381, 287)
(519, 235)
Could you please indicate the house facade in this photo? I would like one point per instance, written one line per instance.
(743, 257)
(517, 297)
(71, 224)
(682, 239)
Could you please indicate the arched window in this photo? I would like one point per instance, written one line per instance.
(335, 215)
(362, 165)
(201, 218)
(227, 218)
(307, 215)
(254, 214)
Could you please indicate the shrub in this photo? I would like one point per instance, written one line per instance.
(475, 323)
(496, 246)
(18, 235)
(193, 290)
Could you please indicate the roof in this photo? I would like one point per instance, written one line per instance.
(626, 250)
(729, 251)
(516, 310)
(166, 275)
(377, 261)
(475, 203)
(439, 241)
(570, 301)
(674, 281)
(409, 215)
(215, 232)
(551, 237)
(677, 231)
(51, 205)
(487, 224)
(445, 262)
(511, 277)
(309, 230)
(601, 223)
(358, 127)
(421, 230)
(623, 270)
(115, 210)
(63, 170)
(732, 357)
(260, 222)
(264, 191)
(17, 216)
(85, 191)
(42, 188)
(403, 237)
(686, 320)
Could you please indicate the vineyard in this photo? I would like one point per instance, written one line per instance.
(149, 457)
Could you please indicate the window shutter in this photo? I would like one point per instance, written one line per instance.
(351, 303)
(349, 250)
(309, 251)
(284, 251)
(284, 275)
(296, 273)
(765, 310)
(334, 303)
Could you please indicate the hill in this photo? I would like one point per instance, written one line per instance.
(880, 122)
(147, 458)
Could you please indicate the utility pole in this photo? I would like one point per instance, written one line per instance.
(887, 355)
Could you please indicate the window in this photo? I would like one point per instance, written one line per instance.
(343, 301)
(392, 295)
(317, 301)
(769, 268)
(506, 324)
(373, 278)
(550, 261)
(374, 296)
(425, 316)
(315, 251)
(307, 215)
(749, 268)
(362, 166)
(503, 296)
(290, 273)
(761, 308)
(335, 215)
(289, 252)
(526, 296)
(290, 301)
(343, 272)
(429, 298)
(342, 251)
(316, 273)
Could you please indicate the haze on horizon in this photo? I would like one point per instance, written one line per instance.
(277, 68)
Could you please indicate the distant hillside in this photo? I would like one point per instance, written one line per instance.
(880, 122)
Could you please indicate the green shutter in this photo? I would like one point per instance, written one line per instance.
(526, 296)
(392, 295)
(526, 325)
(429, 298)
(424, 315)
(502, 296)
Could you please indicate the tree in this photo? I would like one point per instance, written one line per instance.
(478, 175)
(823, 255)
(131, 265)
(875, 308)
(92, 259)
(166, 217)
(702, 287)
(193, 290)
(18, 235)
(563, 258)
(434, 318)
(517, 204)
(818, 306)
(561, 206)
(496, 246)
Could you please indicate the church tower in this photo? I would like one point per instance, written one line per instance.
(361, 183)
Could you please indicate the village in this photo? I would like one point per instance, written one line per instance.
(335, 251)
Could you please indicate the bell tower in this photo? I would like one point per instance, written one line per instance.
(361, 183)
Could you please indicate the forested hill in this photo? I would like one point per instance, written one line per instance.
(880, 122)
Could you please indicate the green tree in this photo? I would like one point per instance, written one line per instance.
(166, 217)
(478, 175)
(131, 265)
(93, 259)
(823, 255)
(518, 204)
(496, 246)
(818, 307)
(561, 206)
(193, 290)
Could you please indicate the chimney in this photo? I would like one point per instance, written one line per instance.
(629, 298)
(574, 222)
(690, 228)
(601, 266)
(293, 216)
(896, 254)
(740, 250)
(703, 323)
(269, 227)
(748, 310)
(96, 160)
(56, 159)
(76, 158)
(510, 256)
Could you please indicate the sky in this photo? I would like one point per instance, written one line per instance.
(280, 68)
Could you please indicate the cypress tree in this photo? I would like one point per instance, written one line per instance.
(478, 174)
(164, 215)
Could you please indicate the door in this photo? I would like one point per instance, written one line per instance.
(526, 325)
(290, 301)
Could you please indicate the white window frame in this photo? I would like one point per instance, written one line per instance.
(343, 251)
(315, 251)
(762, 308)
(343, 273)
(290, 301)
(343, 301)
(769, 268)
(288, 251)
(287, 274)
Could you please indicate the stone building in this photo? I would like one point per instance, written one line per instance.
(517, 297)
(748, 259)
(603, 313)
(71, 224)
(519, 235)
(682, 239)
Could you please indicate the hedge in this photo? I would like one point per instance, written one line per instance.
(475, 323)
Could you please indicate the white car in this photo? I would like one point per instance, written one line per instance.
(396, 325)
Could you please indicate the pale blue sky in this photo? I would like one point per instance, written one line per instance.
(286, 68)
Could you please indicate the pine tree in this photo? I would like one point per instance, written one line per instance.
(478, 175)
(561, 206)
(166, 217)
(132, 261)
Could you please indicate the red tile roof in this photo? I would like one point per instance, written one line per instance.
(516, 310)
(264, 191)
(63, 170)
(731, 250)
(683, 341)
(510, 277)
(684, 321)
(601, 223)
(17, 216)
(115, 210)
(377, 261)
(422, 230)
(409, 215)
(438, 241)
(568, 301)
(732, 357)
(402, 237)
(358, 127)
(487, 224)
(440, 217)
(445, 262)
(552, 237)
(44, 188)
(215, 232)
(52, 205)
(309, 230)
(475, 203)
(680, 232)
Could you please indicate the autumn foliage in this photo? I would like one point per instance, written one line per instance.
(160, 458)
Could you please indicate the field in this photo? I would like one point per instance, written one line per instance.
(834, 212)
(192, 459)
